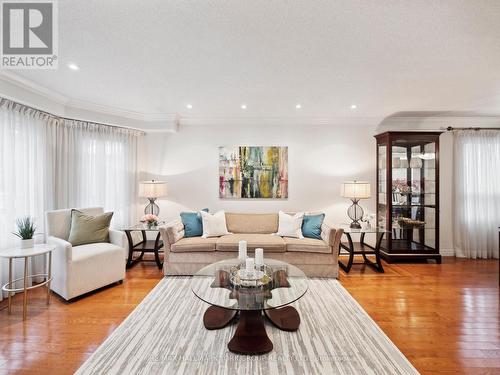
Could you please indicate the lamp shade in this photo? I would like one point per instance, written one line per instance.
(152, 189)
(355, 189)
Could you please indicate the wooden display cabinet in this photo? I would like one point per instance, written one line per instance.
(408, 195)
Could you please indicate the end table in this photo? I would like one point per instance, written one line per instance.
(144, 246)
(26, 254)
(361, 247)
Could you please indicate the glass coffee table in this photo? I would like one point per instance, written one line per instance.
(215, 285)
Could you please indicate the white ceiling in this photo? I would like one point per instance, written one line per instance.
(385, 56)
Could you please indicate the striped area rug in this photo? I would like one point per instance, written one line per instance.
(165, 335)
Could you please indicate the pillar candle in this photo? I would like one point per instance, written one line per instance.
(242, 250)
(250, 265)
(259, 257)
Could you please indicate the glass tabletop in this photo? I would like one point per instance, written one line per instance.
(218, 284)
(145, 226)
(347, 229)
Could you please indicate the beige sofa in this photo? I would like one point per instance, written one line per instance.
(185, 256)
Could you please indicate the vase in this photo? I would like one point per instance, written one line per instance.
(27, 244)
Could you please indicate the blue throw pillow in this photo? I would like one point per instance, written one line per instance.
(311, 226)
(193, 226)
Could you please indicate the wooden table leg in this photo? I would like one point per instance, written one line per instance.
(25, 299)
(377, 265)
(286, 318)
(216, 317)
(250, 336)
(347, 267)
(157, 249)
(130, 248)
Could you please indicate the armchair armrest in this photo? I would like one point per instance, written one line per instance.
(64, 249)
(119, 238)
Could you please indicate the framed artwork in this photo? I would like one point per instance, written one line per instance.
(253, 172)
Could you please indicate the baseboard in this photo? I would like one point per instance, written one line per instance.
(447, 252)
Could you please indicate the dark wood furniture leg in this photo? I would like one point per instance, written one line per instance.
(130, 248)
(144, 246)
(157, 249)
(250, 336)
(286, 318)
(216, 317)
(376, 251)
(350, 249)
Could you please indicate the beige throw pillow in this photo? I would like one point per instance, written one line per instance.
(87, 229)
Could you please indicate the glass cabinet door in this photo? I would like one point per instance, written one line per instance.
(413, 195)
(382, 184)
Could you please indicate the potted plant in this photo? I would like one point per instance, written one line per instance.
(25, 231)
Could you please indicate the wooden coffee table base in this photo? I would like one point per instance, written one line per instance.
(250, 336)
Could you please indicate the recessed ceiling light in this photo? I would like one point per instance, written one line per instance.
(354, 106)
(73, 66)
(189, 106)
(243, 106)
(298, 106)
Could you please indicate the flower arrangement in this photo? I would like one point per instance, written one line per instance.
(25, 228)
(150, 219)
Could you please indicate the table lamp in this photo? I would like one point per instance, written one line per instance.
(152, 190)
(355, 190)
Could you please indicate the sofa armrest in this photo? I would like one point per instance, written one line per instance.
(332, 236)
(64, 249)
(119, 238)
(171, 233)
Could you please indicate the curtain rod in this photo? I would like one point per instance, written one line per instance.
(72, 119)
(450, 128)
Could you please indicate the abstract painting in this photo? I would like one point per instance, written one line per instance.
(253, 172)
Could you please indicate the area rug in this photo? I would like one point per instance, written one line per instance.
(165, 335)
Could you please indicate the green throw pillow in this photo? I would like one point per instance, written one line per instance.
(87, 229)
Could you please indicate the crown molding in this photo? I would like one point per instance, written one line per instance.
(279, 121)
(439, 121)
(33, 87)
(119, 112)
(84, 110)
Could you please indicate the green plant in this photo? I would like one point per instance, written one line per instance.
(25, 228)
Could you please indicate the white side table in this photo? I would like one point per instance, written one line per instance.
(26, 254)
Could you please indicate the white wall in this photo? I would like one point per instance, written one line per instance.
(320, 158)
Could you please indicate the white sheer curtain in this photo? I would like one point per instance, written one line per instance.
(47, 162)
(477, 193)
(96, 166)
(24, 172)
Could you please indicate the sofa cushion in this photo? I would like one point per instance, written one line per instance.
(270, 243)
(93, 250)
(252, 223)
(193, 244)
(306, 245)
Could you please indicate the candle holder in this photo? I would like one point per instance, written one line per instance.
(240, 277)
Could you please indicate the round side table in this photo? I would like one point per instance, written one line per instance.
(26, 254)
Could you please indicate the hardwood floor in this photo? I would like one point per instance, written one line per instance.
(444, 318)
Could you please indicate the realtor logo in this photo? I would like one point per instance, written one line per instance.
(29, 34)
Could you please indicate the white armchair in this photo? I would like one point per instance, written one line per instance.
(77, 270)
